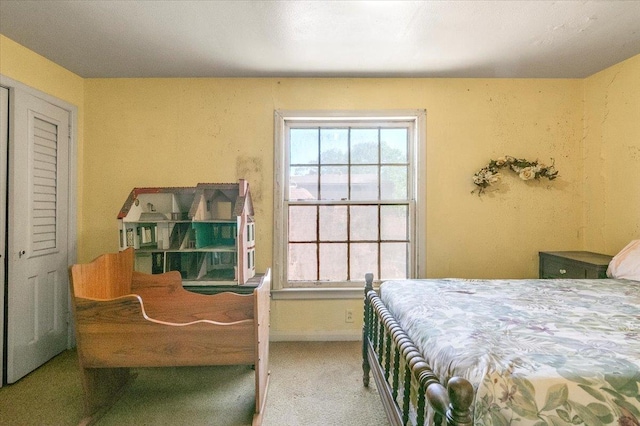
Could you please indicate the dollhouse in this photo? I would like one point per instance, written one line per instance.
(206, 232)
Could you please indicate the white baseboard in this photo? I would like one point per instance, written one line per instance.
(315, 336)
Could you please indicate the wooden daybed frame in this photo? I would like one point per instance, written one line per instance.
(126, 319)
(400, 372)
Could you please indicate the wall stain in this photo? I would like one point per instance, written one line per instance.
(250, 168)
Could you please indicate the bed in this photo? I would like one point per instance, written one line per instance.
(507, 352)
(126, 319)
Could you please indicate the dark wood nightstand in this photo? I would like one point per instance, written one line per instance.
(247, 288)
(573, 264)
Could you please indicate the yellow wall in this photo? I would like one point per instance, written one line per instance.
(23, 65)
(612, 157)
(166, 132)
(159, 132)
(172, 132)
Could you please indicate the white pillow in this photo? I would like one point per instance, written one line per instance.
(626, 264)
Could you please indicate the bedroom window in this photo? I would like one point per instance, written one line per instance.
(346, 197)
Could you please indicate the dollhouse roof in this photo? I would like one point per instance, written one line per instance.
(243, 202)
(231, 191)
(135, 192)
(236, 193)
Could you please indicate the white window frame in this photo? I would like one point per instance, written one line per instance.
(417, 176)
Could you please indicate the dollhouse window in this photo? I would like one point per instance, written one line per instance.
(250, 259)
(250, 232)
(349, 190)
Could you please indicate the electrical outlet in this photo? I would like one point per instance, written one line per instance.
(348, 315)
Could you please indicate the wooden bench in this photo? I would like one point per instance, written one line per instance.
(126, 319)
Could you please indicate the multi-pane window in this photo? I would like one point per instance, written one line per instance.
(348, 202)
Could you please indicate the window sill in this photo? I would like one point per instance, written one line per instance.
(318, 293)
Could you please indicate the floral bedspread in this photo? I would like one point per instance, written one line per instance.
(538, 352)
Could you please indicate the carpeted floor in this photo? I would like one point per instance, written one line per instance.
(312, 383)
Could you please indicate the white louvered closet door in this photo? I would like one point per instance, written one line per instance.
(38, 285)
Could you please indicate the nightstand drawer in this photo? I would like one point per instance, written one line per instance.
(553, 269)
(573, 264)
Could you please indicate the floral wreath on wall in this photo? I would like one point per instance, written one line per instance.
(526, 170)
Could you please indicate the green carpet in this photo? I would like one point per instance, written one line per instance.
(312, 383)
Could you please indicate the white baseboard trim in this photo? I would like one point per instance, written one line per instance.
(315, 336)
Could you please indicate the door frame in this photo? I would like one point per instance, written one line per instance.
(72, 243)
(4, 166)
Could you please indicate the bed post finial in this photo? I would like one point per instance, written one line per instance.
(461, 397)
(368, 277)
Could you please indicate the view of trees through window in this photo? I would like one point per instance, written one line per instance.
(348, 203)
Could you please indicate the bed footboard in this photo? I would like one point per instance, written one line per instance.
(398, 369)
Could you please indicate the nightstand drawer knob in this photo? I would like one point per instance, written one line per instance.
(563, 271)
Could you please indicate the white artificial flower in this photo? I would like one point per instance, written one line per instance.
(527, 173)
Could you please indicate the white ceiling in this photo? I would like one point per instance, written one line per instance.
(96, 38)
